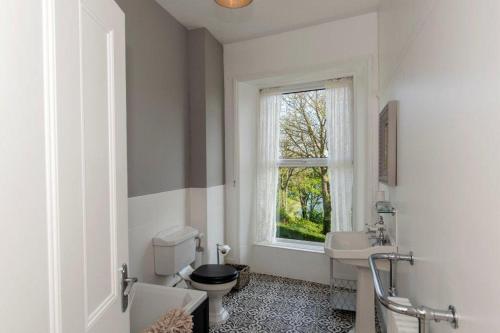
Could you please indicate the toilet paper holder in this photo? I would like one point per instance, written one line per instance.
(222, 249)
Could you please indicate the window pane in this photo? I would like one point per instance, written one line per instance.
(303, 125)
(304, 204)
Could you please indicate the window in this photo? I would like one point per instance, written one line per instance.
(303, 198)
(304, 162)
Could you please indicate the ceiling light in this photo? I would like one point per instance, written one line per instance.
(233, 4)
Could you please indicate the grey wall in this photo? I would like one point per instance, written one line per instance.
(175, 94)
(206, 117)
(157, 99)
(214, 87)
(197, 103)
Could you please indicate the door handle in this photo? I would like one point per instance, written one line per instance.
(127, 284)
(130, 282)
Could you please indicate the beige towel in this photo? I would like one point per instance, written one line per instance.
(174, 321)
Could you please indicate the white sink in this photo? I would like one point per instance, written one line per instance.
(354, 248)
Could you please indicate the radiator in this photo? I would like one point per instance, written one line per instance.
(398, 323)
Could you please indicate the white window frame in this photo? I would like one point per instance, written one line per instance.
(300, 162)
(303, 162)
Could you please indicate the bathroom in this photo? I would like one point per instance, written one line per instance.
(187, 85)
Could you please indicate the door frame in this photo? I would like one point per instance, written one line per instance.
(51, 164)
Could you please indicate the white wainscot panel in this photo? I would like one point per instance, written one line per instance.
(148, 215)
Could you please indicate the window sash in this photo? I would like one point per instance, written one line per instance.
(302, 162)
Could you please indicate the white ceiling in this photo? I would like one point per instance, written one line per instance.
(262, 17)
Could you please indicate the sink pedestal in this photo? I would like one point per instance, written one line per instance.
(354, 248)
(365, 302)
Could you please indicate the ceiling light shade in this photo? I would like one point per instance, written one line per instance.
(233, 3)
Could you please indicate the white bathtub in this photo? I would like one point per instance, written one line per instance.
(150, 302)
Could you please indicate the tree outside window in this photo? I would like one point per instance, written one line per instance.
(304, 201)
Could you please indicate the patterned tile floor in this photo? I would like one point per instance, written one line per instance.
(272, 304)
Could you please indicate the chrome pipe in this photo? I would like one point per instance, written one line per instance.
(422, 313)
(392, 283)
(422, 325)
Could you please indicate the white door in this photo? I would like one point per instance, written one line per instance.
(63, 185)
(103, 133)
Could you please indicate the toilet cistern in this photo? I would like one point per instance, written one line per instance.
(174, 251)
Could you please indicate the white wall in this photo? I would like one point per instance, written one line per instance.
(441, 60)
(215, 222)
(24, 246)
(206, 213)
(344, 47)
(248, 102)
(295, 264)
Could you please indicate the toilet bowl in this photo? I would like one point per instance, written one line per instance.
(217, 281)
(174, 251)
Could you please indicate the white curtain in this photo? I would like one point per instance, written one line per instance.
(267, 166)
(339, 107)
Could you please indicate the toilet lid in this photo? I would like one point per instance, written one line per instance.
(214, 274)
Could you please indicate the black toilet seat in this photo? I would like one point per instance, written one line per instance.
(214, 274)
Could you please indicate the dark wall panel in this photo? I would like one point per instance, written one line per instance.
(157, 99)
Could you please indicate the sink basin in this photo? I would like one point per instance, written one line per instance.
(354, 248)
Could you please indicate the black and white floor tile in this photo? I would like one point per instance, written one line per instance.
(272, 304)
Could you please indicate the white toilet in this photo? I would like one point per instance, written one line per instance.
(174, 251)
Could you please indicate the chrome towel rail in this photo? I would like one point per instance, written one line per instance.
(422, 313)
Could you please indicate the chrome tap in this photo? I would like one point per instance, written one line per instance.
(380, 238)
(373, 228)
(380, 220)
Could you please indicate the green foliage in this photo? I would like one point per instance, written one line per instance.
(285, 217)
(301, 230)
(316, 216)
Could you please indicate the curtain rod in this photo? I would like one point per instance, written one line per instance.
(302, 91)
(301, 87)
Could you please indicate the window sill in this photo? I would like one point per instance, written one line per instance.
(295, 246)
